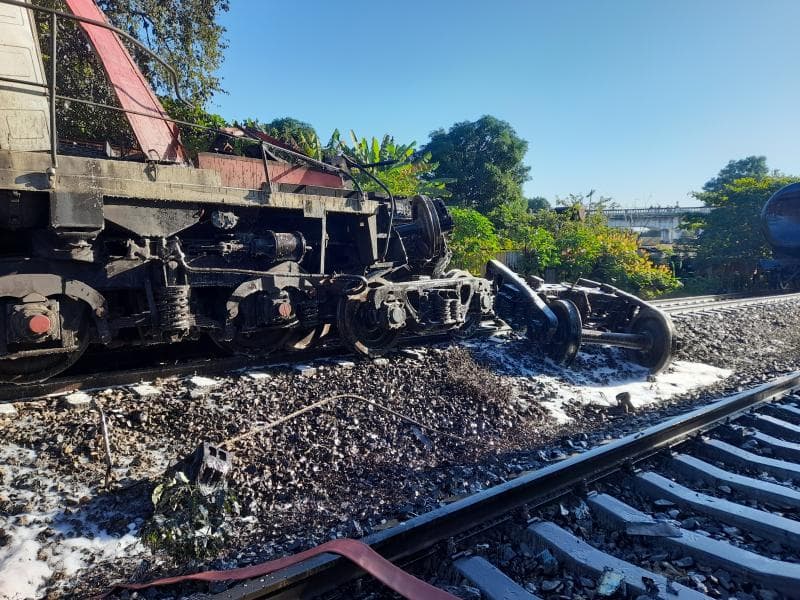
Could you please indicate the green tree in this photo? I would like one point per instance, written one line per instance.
(577, 242)
(194, 139)
(714, 192)
(406, 172)
(473, 240)
(287, 129)
(483, 162)
(732, 241)
(538, 203)
(750, 166)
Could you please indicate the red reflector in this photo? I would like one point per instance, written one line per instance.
(285, 310)
(39, 324)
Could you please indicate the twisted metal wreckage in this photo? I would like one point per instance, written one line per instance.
(263, 251)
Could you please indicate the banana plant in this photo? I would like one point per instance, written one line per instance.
(407, 172)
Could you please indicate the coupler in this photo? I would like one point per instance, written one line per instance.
(559, 318)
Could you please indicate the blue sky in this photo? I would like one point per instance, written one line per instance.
(640, 100)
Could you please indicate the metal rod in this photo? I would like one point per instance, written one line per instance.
(634, 341)
(496, 268)
(53, 71)
(321, 165)
(44, 86)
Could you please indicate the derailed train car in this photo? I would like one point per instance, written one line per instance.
(260, 253)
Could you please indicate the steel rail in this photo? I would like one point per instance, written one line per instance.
(10, 392)
(425, 532)
(708, 305)
(687, 300)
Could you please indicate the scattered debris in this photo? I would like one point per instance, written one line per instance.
(684, 563)
(106, 442)
(424, 439)
(7, 409)
(624, 402)
(207, 467)
(610, 582)
(353, 461)
(548, 562)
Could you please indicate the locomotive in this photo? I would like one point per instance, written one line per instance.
(780, 222)
(262, 251)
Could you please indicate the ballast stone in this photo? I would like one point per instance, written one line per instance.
(8, 410)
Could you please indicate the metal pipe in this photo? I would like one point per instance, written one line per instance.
(44, 86)
(610, 289)
(634, 341)
(52, 90)
(523, 288)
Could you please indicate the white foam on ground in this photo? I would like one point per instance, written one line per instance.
(591, 381)
(26, 563)
(682, 377)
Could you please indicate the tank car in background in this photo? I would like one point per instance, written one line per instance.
(261, 253)
(780, 220)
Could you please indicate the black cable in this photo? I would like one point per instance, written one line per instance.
(364, 169)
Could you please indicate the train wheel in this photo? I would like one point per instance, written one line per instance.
(360, 330)
(304, 338)
(566, 342)
(74, 327)
(658, 327)
(256, 343)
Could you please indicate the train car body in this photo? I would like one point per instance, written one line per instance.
(260, 253)
(780, 220)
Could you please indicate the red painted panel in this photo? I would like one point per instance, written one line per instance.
(248, 173)
(157, 138)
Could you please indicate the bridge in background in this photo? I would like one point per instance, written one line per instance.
(665, 219)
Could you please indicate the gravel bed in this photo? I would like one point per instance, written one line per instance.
(346, 469)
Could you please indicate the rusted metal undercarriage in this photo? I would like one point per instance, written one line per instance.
(259, 253)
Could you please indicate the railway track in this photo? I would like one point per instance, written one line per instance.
(696, 300)
(722, 302)
(99, 378)
(709, 501)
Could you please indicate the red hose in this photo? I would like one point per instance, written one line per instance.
(357, 552)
